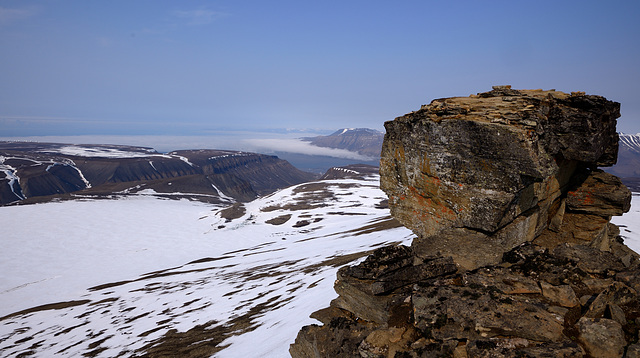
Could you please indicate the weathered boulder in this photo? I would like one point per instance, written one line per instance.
(562, 295)
(449, 312)
(491, 170)
(633, 351)
(603, 338)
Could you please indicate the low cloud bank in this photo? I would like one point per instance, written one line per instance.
(267, 143)
(301, 147)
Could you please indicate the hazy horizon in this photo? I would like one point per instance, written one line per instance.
(198, 67)
(284, 145)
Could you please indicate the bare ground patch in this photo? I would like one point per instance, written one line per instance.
(385, 223)
(50, 306)
(301, 223)
(336, 261)
(204, 340)
(312, 196)
(279, 220)
(296, 206)
(381, 224)
(233, 212)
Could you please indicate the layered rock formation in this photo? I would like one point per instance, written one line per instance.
(496, 165)
(514, 255)
(33, 172)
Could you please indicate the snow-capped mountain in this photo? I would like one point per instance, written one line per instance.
(142, 276)
(33, 172)
(361, 140)
(630, 142)
(628, 166)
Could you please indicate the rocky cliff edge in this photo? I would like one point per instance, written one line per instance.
(514, 255)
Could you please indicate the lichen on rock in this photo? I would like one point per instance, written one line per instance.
(514, 255)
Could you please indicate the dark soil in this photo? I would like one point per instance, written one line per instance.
(279, 220)
(235, 211)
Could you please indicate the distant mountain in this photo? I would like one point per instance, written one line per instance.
(628, 166)
(365, 141)
(33, 172)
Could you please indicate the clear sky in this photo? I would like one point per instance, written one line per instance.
(196, 67)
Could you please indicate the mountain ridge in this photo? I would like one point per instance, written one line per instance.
(34, 172)
(364, 141)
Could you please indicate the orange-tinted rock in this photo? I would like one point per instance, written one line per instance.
(600, 194)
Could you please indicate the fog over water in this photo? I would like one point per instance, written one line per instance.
(287, 146)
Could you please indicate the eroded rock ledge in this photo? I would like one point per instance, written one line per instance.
(514, 255)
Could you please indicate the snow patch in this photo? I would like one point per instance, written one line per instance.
(345, 170)
(87, 184)
(101, 152)
(239, 154)
(629, 224)
(11, 175)
(184, 159)
(222, 195)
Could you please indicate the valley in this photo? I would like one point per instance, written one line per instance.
(39, 172)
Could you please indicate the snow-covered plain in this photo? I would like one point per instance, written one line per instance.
(127, 271)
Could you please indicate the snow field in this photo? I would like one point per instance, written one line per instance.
(177, 264)
(62, 248)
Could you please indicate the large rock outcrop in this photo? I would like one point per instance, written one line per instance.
(514, 255)
(493, 169)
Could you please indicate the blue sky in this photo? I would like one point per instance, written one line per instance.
(152, 67)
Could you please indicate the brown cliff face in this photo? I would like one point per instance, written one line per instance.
(264, 173)
(514, 255)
